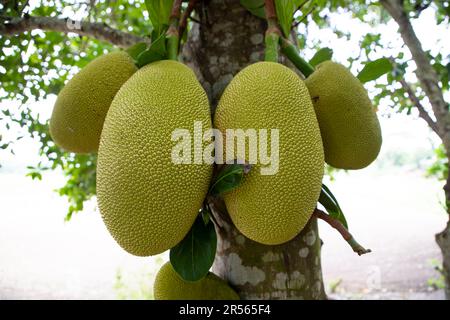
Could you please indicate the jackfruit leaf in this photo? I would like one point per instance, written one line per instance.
(135, 50)
(375, 69)
(159, 14)
(285, 14)
(256, 7)
(329, 201)
(252, 4)
(156, 51)
(229, 177)
(320, 56)
(194, 255)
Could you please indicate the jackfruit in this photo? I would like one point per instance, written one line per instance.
(147, 202)
(80, 109)
(170, 286)
(348, 122)
(272, 209)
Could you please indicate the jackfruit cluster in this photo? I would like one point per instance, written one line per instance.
(149, 203)
(170, 286)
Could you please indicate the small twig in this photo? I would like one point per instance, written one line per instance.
(195, 20)
(269, 7)
(186, 16)
(422, 112)
(304, 17)
(336, 224)
(176, 10)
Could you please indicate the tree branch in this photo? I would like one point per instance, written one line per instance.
(425, 73)
(422, 112)
(11, 26)
(186, 16)
(360, 250)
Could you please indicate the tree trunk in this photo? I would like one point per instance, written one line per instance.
(228, 39)
(443, 240)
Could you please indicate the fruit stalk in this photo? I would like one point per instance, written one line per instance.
(173, 36)
(360, 250)
(290, 51)
(272, 33)
(185, 17)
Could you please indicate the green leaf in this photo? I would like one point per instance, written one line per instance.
(320, 56)
(159, 13)
(375, 69)
(34, 175)
(194, 255)
(259, 12)
(135, 50)
(252, 4)
(229, 178)
(285, 13)
(156, 51)
(329, 201)
(256, 7)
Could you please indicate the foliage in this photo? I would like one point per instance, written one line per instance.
(194, 255)
(439, 169)
(330, 203)
(43, 62)
(320, 56)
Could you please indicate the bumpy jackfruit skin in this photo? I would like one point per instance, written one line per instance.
(80, 109)
(272, 209)
(170, 286)
(348, 123)
(147, 202)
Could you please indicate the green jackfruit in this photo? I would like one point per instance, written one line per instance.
(272, 209)
(80, 109)
(147, 202)
(170, 286)
(348, 122)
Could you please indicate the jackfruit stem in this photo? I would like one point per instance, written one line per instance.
(172, 34)
(271, 50)
(172, 47)
(290, 51)
(336, 224)
(272, 35)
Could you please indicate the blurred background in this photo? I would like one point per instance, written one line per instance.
(395, 206)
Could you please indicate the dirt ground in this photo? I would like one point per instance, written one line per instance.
(41, 257)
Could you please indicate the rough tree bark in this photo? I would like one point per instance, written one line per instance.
(429, 81)
(228, 39)
(443, 240)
